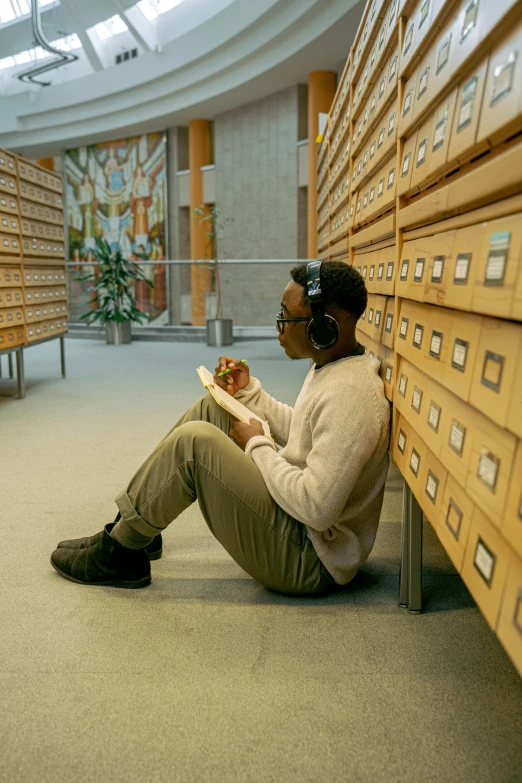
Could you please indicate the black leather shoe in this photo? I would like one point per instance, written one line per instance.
(105, 562)
(154, 549)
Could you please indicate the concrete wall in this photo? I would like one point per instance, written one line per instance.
(256, 176)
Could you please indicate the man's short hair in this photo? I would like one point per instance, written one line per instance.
(341, 285)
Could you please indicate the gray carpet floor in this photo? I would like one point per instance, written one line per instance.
(205, 675)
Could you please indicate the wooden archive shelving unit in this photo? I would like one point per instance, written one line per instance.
(419, 187)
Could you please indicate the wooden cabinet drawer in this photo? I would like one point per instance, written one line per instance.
(388, 331)
(407, 164)
(7, 163)
(11, 316)
(467, 112)
(386, 269)
(502, 103)
(408, 102)
(432, 485)
(463, 346)
(10, 277)
(45, 294)
(39, 176)
(31, 209)
(9, 244)
(11, 297)
(456, 434)
(412, 269)
(463, 263)
(389, 374)
(485, 566)
(498, 356)
(43, 312)
(37, 276)
(509, 623)
(439, 261)
(40, 247)
(8, 204)
(45, 231)
(46, 329)
(498, 265)
(12, 337)
(40, 195)
(9, 224)
(456, 513)
(8, 184)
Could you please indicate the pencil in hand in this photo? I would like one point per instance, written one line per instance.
(231, 368)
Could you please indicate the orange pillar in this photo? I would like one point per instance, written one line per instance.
(46, 163)
(321, 92)
(199, 155)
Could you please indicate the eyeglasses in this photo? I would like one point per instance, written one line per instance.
(280, 321)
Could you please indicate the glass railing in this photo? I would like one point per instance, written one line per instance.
(251, 291)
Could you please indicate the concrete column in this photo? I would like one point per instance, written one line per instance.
(199, 155)
(321, 92)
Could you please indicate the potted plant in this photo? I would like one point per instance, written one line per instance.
(116, 305)
(219, 329)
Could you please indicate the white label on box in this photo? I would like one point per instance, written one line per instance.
(372, 272)
(423, 82)
(438, 268)
(377, 318)
(440, 128)
(380, 191)
(466, 107)
(436, 343)
(460, 353)
(421, 152)
(391, 125)
(381, 138)
(393, 68)
(484, 561)
(382, 87)
(416, 399)
(389, 321)
(433, 416)
(443, 55)
(462, 268)
(402, 441)
(497, 258)
(391, 178)
(404, 327)
(419, 269)
(365, 272)
(372, 149)
(380, 271)
(402, 385)
(404, 269)
(408, 39)
(488, 469)
(470, 19)
(432, 484)
(503, 79)
(457, 435)
(407, 102)
(425, 7)
(372, 194)
(414, 461)
(388, 374)
(417, 336)
(406, 165)
(365, 202)
(389, 271)
(370, 316)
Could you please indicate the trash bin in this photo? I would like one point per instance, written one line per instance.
(219, 331)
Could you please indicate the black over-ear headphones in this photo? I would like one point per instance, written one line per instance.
(322, 329)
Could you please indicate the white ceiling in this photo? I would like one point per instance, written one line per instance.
(200, 58)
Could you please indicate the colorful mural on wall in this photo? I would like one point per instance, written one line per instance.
(118, 190)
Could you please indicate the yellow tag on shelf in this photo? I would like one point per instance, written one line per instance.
(319, 138)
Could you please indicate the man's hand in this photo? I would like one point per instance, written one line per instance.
(237, 379)
(241, 433)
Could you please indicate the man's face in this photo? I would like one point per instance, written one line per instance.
(293, 339)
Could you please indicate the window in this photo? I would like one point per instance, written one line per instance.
(109, 27)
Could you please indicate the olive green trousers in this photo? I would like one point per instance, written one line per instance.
(197, 460)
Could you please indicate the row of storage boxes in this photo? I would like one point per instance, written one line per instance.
(378, 194)
(377, 268)
(487, 558)
(341, 193)
(37, 247)
(12, 337)
(323, 216)
(378, 320)
(8, 184)
(11, 316)
(46, 329)
(382, 140)
(366, 32)
(487, 106)
(475, 357)
(384, 356)
(341, 133)
(382, 34)
(384, 92)
(44, 276)
(477, 268)
(339, 167)
(32, 210)
(8, 205)
(40, 195)
(340, 224)
(10, 276)
(10, 224)
(13, 297)
(341, 101)
(39, 175)
(480, 455)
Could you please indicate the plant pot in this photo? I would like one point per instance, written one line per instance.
(219, 331)
(118, 333)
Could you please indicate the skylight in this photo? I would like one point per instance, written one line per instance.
(110, 27)
(30, 55)
(15, 9)
(153, 8)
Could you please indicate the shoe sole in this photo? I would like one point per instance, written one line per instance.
(151, 555)
(112, 583)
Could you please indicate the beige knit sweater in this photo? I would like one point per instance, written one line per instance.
(330, 472)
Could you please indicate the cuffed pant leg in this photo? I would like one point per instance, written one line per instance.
(197, 460)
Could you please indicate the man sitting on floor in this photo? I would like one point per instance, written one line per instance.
(301, 518)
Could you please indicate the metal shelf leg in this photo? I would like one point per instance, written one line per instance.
(62, 354)
(410, 575)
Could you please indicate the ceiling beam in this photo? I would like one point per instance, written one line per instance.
(90, 51)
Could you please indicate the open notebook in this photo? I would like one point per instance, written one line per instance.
(228, 402)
